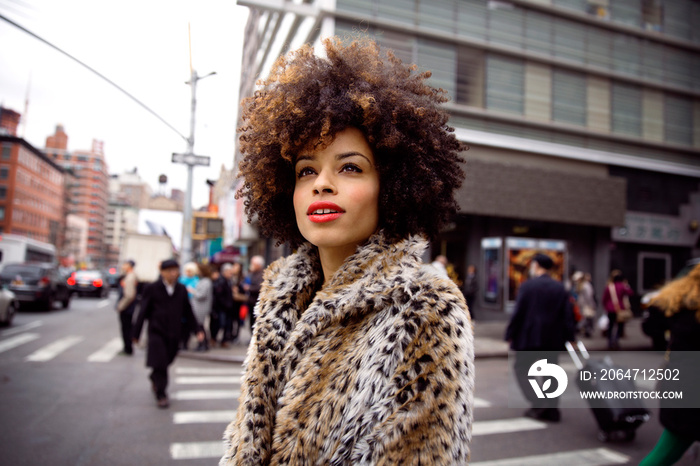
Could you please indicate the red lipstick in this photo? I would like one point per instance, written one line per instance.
(323, 211)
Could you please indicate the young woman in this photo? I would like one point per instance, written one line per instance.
(680, 302)
(361, 354)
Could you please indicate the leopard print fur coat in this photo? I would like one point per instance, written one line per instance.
(375, 368)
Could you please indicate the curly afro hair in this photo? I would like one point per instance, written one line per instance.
(307, 98)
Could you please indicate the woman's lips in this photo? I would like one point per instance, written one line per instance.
(321, 212)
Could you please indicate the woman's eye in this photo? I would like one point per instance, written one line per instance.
(350, 167)
(304, 172)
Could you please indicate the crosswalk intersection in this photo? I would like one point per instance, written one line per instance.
(196, 388)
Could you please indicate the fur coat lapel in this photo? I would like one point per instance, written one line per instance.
(291, 316)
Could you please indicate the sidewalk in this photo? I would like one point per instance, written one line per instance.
(488, 341)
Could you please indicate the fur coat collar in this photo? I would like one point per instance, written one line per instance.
(376, 367)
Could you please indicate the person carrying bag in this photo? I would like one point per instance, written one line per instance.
(617, 292)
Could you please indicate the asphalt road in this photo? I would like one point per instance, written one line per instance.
(67, 398)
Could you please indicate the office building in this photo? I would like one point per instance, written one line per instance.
(89, 193)
(31, 186)
(582, 119)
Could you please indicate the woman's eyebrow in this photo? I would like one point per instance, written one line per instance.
(304, 157)
(341, 156)
(345, 155)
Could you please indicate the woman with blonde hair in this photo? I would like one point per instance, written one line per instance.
(680, 302)
(361, 354)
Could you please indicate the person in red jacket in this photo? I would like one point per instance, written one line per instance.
(616, 301)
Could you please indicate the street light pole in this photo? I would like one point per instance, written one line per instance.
(190, 160)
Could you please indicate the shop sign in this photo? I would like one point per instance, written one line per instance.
(641, 227)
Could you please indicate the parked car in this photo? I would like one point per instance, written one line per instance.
(88, 282)
(36, 283)
(8, 306)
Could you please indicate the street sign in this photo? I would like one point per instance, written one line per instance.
(191, 159)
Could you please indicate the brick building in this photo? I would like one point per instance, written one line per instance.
(89, 193)
(31, 187)
(582, 118)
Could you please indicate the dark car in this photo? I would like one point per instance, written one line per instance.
(36, 283)
(88, 283)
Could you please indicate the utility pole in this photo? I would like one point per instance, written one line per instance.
(190, 159)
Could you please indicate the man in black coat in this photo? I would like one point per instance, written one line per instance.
(165, 305)
(543, 320)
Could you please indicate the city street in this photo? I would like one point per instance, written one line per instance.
(68, 398)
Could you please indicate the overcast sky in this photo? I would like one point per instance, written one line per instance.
(143, 47)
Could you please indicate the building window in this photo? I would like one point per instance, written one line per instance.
(3, 192)
(626, 111)
(2, 213)
(441, 59)
(6, 151)
(569, 97)
(505, 84)
(470, 77)
(4, 173)
(678, 117)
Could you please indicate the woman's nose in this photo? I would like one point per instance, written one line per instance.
(324, 184)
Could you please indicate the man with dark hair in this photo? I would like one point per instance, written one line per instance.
(164, 304)
(543, 320)
(126, 304)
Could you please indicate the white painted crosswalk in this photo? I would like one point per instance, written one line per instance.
(54, 349)
(107, 352)
(17, 340)
(587, 457)
(207, 396)
(196, 450)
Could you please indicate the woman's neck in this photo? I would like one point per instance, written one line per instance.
(332, 259)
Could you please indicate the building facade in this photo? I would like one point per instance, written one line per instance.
(31, 188)
(89, 193)
(582, 119)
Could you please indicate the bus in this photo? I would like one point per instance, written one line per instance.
(15, 248)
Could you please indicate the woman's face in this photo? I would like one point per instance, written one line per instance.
(336, 196)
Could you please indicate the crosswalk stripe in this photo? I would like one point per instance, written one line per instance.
(207, 379)
(481, 403)
(196, 450)
(18, 340)
(207, 371)
(203, 417)
(504, 426)
(107, 352)
(206, 395)
(588, 457)
(103, 303)
(21, 328)
(49, 352)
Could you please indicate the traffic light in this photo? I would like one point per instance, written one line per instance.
(206, 225)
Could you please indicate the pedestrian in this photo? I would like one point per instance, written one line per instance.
(471, 288)
(126, 303)
(361, 354)
(542, 321)
(617, 305)
(239, 299)
(201, 300)
(586, 301)
(223, 306)
(252, 284)
(440, 264)
(680, 301)
(164, 305)
(190, 280)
